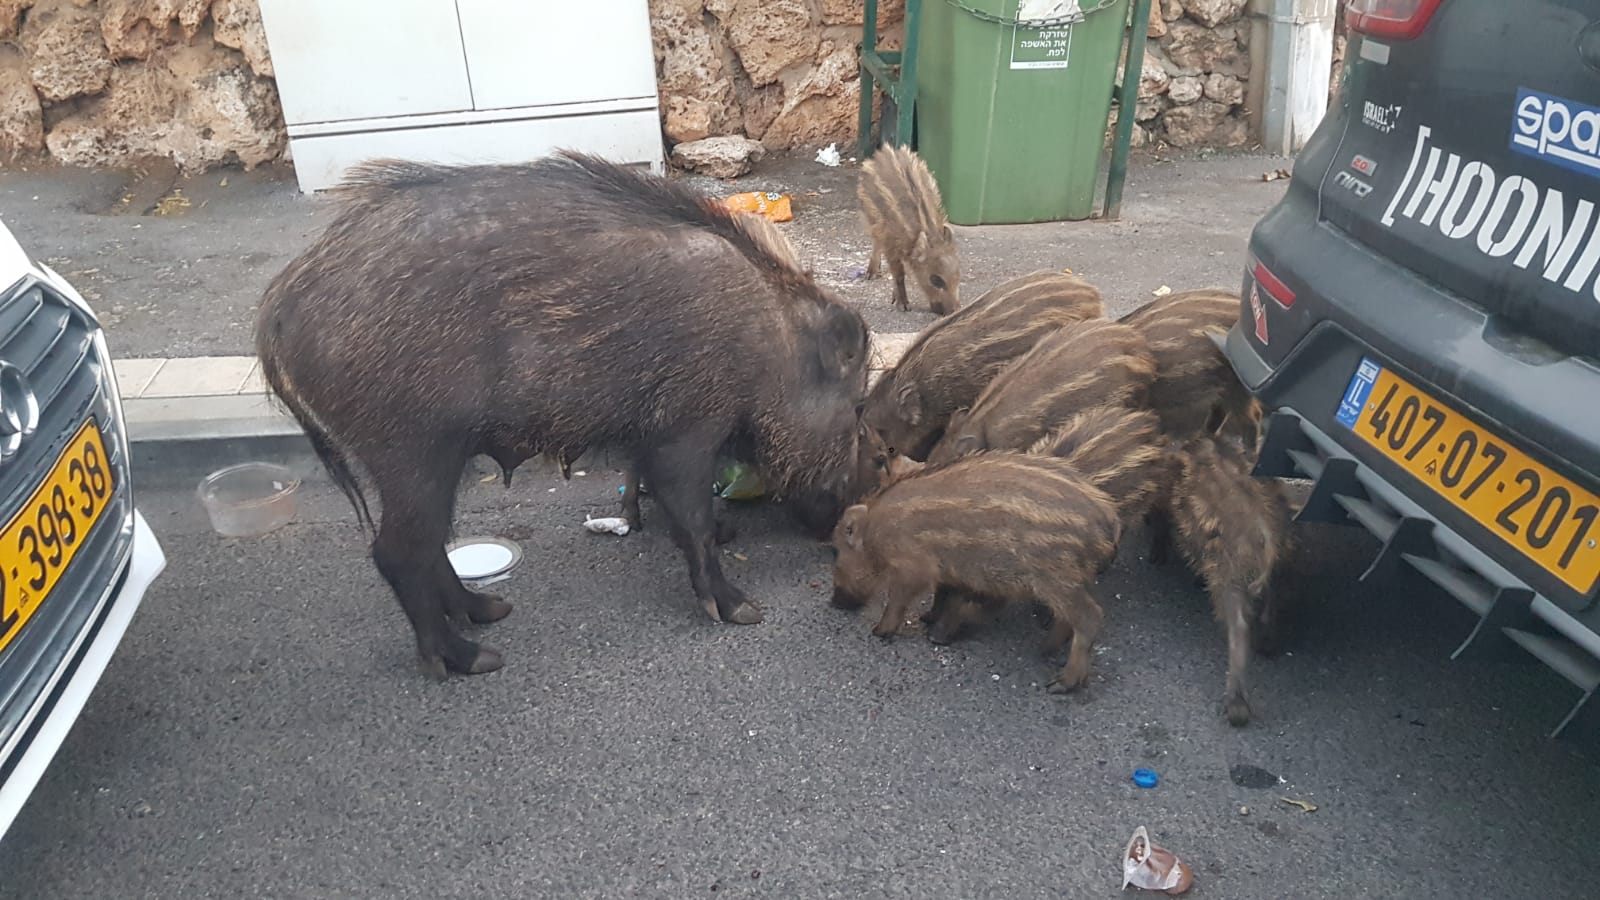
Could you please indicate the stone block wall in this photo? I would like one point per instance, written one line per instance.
(1196, 67)
(112, 82)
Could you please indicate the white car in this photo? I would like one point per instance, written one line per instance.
(75, 554)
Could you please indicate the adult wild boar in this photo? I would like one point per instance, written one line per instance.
(544, 310)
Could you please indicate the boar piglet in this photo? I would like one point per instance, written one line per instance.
(952, 360)
(1196, 390)
(1008, 527)
(1121, 451)
(543, 310)
(1233, 530)
(1076, 367)
(905, 216)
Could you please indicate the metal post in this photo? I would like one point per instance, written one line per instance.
(1127, 101)
(869, 44)
(906, 96)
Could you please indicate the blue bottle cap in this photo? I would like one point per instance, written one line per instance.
(1145, 778)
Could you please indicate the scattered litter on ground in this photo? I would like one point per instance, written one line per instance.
(738, 481)
(488, 478)
(1275, 175)
(739, 556)
(1146, 778)
(612, 524)
(858, 273)
(1304, 805)
(1067, 271)
(776, 207)
(1145, 865)
(223, 182)
(172, 204)
(1161, 291)
(1244, 810)
(829, 155)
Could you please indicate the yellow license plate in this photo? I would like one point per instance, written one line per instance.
(1542, 515)
(38, 544)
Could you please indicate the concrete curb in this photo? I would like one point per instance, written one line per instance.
(214, 410)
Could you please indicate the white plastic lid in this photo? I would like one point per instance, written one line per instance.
(482, 558)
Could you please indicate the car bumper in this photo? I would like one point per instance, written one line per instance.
(1351, 304)
(80, 670)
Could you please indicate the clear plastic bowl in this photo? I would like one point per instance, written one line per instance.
(249, 499)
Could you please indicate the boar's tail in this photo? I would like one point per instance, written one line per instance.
(333, 459)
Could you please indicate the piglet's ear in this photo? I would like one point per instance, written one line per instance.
(852, 531)
(909, 400)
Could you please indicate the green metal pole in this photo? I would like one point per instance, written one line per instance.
(869, 44)
(907, 95)
(1127, 101)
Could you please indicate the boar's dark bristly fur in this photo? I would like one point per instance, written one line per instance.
(1196, 389)
(952, 360)
(544, 310)
(1005, 526)
(1233, 530)
(1079, 366)
(905, 216)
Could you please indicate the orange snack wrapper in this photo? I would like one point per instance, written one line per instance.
(774, 206)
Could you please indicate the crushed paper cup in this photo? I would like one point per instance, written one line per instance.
(608, 524)
(829, 155)
(1144, 865)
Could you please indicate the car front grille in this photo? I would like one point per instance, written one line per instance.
(53, 343)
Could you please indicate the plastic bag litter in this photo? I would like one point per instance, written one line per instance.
(608, 524)
(776, 207)
(1144, 865)
(738, 481)
(829, 155)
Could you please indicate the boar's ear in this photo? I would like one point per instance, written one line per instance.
(853, 526)
(967, 443)
(909, 401)
(842, 345)
(949, 234)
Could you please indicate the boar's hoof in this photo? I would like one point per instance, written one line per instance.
(484, 660)
(483, 609)
(886, 628)
(1238, 709)
(1064, 684)
(743, 613)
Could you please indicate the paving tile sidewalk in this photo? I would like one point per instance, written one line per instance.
(216, 397)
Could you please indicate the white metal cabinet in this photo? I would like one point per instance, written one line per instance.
(462, 81)
(532, 54)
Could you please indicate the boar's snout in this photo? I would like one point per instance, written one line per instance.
(845, 599)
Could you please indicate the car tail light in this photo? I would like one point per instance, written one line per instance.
(1399, 20)
(1276, 289)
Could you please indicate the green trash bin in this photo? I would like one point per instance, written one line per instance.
(1012, 120)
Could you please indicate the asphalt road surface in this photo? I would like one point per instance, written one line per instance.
(265, 732)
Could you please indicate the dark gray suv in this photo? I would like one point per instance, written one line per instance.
(1421, 313)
